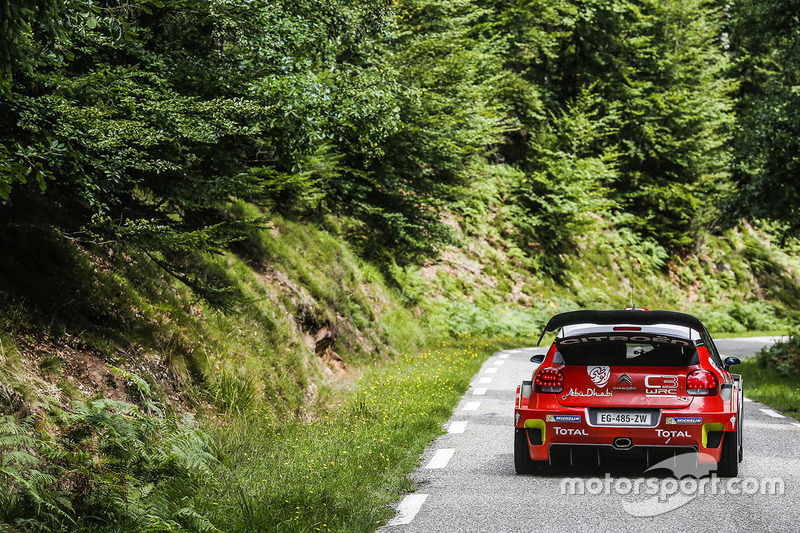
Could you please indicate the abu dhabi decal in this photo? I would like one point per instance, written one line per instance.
(587, 393)
(563, 418)
(599, 374)
(684, 420)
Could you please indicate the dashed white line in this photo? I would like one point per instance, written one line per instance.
(512, 351)
(441, 458)
(505, 355)
(408, 509)
(480, 391)
(499, 363)
(796, 424)
(772, 413)
(472, 406)
(492, 370)
(484, 381)
(457, 427)
(747, 399)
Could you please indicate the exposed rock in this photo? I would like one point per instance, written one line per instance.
(324, 339)
(323, 346)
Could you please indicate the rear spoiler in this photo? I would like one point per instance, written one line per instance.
(627, 316)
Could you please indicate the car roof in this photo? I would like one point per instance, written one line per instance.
(624, 317)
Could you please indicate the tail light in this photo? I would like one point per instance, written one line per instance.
(548, 380)
(702, 383)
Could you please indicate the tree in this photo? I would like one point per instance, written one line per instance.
(765, 40)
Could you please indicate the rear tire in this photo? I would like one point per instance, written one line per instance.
(523, 463)
(740, 432)
(740, 439)
(728, 465)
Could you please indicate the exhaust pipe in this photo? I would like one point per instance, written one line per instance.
(623, 443)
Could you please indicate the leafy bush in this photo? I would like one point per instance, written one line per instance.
(461, 317)
(737, 317)
(783, 356)
(100, 464)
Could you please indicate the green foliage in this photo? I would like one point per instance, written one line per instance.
(157, 152)
(19, 164)
(342, 470)
(738, 317)
(24, 23)
(103, 464)
(770, 386)
(161, 113)
(783, 356)
(461, 318)
(567, 187)
(24, 485)
(149, 118)
(765, 43)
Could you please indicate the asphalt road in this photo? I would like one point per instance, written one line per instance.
(744, 347)
(466, 481)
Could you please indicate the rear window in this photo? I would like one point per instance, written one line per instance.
(640, 349)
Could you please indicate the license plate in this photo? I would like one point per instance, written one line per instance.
(613, 418)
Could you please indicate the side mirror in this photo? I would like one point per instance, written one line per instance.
(731, 361)
(538, 358)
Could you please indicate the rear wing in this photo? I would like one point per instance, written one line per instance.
(626, 316)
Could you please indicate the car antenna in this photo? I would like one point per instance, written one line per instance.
(630, 281)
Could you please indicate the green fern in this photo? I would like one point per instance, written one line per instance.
(107, 461)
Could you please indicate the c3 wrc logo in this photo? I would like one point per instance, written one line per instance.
(661, 385)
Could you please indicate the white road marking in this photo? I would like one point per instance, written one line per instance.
(769, 426)
(499, 363)
(491, 370)
(457, 427)
(747, 399)
(408, 509)
(441, 458)
(472, 406)
(484, 381)
(512, 351)
(772, 413)
(796, 424)
(480, 391)
(505, 355)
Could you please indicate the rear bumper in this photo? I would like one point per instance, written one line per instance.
(550, 433)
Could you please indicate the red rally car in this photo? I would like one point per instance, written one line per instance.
(629, 383)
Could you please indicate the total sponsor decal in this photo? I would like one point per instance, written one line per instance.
(684, 420)
(661, 385)
(587, 392)
(569, 431)
(563, 418)
(670, 433)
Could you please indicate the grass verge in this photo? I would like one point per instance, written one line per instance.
(342, 470)
(771, 387)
